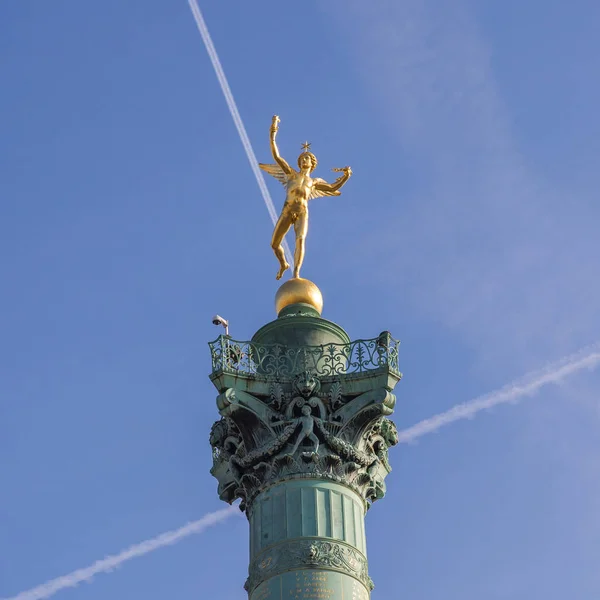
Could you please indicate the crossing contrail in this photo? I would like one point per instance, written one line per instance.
(216, 63)
(45, 590)
(556, 372)
(587, 358)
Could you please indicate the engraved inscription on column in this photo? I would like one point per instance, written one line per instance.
(264, 590)
(311, 584)
(359, 592)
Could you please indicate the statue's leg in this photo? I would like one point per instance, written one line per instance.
(281, 228)
(301, 437)
(300, 228)
(314, 439)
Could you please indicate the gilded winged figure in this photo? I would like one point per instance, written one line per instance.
(300, 188)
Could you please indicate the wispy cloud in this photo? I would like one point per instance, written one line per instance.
(588, 358)
(45, 590)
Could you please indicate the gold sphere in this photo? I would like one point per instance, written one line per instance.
(298, 290)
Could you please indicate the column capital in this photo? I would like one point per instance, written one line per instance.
(318, 412)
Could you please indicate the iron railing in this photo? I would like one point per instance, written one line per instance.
(277, 361)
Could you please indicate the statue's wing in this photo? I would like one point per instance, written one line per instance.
(275, 171)
(318, 193)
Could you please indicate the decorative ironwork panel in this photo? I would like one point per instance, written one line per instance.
(277, 361)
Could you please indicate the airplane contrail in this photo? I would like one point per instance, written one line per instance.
(555, 372)
(45, 590)
(587, 358)
(216, 63)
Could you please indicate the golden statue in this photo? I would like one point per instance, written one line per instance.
(301, 188)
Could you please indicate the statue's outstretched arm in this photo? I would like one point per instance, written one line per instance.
(275, 150)
(323, 186)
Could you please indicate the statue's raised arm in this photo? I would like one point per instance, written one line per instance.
(275, 150)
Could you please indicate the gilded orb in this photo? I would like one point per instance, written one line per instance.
(298, 290)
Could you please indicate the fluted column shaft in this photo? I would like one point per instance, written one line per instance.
(307, 541)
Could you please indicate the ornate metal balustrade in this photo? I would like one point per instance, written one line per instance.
(249, 359)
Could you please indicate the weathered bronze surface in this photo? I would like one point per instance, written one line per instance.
(303, 442)
(310, 585)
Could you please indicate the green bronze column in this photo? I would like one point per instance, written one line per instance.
(307, 540)
(303, 442)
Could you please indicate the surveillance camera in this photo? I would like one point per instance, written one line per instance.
(218, 320)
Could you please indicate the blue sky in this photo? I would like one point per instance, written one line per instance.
(129, 215)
